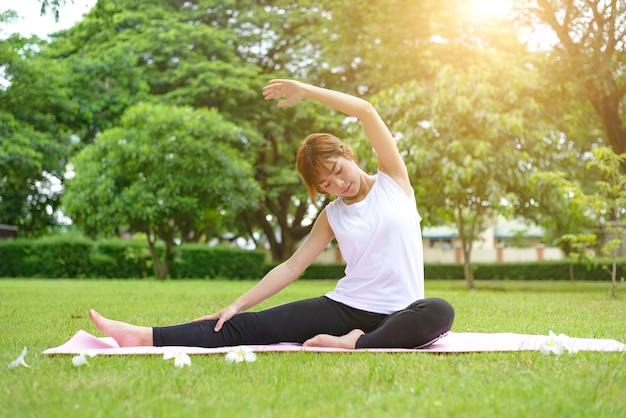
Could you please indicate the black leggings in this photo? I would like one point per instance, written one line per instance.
(420, 324)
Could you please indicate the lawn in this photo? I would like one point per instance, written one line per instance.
(45, 313)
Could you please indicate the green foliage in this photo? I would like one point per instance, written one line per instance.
(117, 258)
(153, 161)
(204, 262)
(324, 271)
(589, 55)
(55, 256)
(544, 270)
(218, 55)
(124, 52)
(165, 171)
(35, 109)
(71, 257)
(564, 210)
(460, 136)
(523, 271)
(13, 253)
(609, 204)
(590, 220)
(21, 162)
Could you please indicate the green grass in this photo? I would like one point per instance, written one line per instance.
(41, 314)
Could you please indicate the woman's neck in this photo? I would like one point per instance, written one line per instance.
(365, 186)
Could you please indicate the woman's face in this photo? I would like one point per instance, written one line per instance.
(343, 178)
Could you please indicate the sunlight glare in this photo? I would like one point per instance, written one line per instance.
(488, 8)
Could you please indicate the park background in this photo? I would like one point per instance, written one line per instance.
(135, 144)
(147, 120)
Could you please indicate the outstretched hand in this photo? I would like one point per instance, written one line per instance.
(290, 90)
(221, 317)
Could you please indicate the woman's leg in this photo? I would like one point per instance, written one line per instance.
(420, 324)
(291, 322)
(126, 335)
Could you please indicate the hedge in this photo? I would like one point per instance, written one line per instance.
(12, 256)
(542, 270)
(122, 259)
(69, 256)
(202, 262)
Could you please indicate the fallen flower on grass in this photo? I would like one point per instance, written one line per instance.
(568, 344)
(20, 360)
(239, 354)
(180, 359)
(81, 359)
(557, 344)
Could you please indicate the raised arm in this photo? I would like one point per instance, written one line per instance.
(389, 159)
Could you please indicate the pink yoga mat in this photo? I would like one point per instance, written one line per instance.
(454, 342)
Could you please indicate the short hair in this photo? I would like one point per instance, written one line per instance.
(312, 157)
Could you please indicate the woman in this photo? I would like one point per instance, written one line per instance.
(379, 303)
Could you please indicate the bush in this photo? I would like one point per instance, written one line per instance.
(121, 258)
(542, 270)
(202, 261)
(70, 256)
(60, 256)
(324, 271)
(13, 254)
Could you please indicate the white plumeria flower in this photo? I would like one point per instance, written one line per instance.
(239, 354)
(558, 344)
(81, 359)
(20, 360)
(553, 345)
(180, 359)
(568, 345)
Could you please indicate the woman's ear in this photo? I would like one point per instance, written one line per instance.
(348, 152)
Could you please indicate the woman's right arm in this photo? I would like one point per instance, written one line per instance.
(282, 275)
(389, 159)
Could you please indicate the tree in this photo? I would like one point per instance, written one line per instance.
(609, 204)
(460, 139)
(165, 171)
(124, 51)
(35, 109)
(21, 165)
(597, 213)
(564, 210)
(589, 53)
(52, 6)
(121, 46)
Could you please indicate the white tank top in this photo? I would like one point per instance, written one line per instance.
(381, 240)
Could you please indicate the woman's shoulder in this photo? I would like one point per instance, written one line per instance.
(400, 184)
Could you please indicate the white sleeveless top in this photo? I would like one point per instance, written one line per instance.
(381, 240)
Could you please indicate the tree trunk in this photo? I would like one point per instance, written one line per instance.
(607, 105)
(160, 267)
(469, 275)
(614, 278)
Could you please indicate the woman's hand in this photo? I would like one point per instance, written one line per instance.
(221, 317)
(292, 91)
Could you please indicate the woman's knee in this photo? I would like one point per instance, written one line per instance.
(437, 309)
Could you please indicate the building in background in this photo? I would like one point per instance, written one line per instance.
(7, 231)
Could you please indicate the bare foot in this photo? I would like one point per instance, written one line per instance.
(126, 335)
(347, 341)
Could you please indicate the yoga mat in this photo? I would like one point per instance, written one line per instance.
(454, 342)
